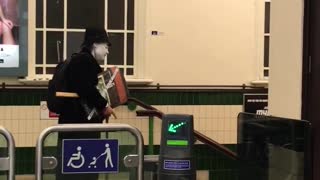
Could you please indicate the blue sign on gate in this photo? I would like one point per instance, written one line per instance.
(90, 156)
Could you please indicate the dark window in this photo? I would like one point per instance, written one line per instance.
(130, 48)
(130, 16)
(74, 40)
(115, 14)
(115, 56)
(130, 71)
(121, 70)
(55, 13)
(54, 47)
(84, 13)
(39, 47)
(81, 14)
(39, 70)
(266, 39)
(267, 18)
(266, 51)
(39, 14)
(50, 70)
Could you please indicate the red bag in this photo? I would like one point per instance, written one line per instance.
(113, 87)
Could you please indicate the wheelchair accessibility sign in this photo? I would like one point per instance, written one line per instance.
(90, 156)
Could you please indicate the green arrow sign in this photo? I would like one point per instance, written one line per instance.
(173, 128)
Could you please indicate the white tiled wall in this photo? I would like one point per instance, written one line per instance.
(24, 123)
(216, 121)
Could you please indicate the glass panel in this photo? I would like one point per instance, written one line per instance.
(266, 51)
(3, 153)
(121, 70)
(266, 73)
(129, 71)
(55, 13)
(74, 41)
(267, 18)
(115, 14)
(39, 70)
(217, 165)
(130, 15)
(115, 56)
(39, 47)
(54, 47)
(127, 145)
(50, 70)
(130, 48)
(83, 13)
(272, 147)
(39, 13)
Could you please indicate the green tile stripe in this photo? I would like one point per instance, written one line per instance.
(33, 97)
(22, 97)
(190, 98)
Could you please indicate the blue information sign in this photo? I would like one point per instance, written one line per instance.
(90, 156)
(176, 164)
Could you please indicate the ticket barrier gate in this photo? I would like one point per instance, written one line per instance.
(116, 153)
(7, 154)
(176, 148)
(175, 160)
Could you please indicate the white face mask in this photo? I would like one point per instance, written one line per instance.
(100, 51)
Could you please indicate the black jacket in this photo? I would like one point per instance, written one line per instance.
(81, 75)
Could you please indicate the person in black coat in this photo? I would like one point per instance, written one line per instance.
(82, 77)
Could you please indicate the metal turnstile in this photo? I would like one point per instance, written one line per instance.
(118, 151)
(7, 155)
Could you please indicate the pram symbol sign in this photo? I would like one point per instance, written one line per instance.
(108, 158)
(90, 156)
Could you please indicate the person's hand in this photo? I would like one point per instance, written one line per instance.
(108, 111)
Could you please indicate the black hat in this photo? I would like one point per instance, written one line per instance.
(95, 35)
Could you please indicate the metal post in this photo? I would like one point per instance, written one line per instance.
(10, 164)
(150, 144)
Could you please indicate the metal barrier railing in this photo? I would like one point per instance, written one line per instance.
(7, 163)
(40, 160)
